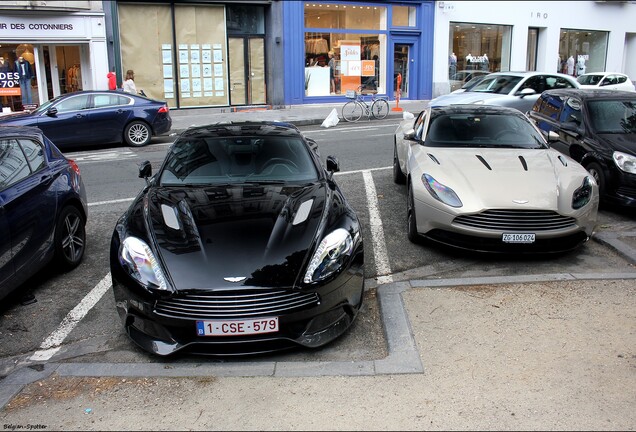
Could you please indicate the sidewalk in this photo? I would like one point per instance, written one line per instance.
(299, 115)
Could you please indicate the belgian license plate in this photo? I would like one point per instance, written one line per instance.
(237, 327)
(518, 238)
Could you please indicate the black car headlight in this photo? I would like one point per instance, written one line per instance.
(582, 194)
(330, 256)
(137, 259)
(625, 162)
(440, 192)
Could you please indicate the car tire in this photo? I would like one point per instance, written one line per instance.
(596, 171)
(411, 219)
(398, 175)
(70, 238)
(137, 134)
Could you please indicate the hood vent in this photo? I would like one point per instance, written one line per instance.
(170, 216)
(563, 161)
(482, 160)
(303, 212)
(433, 158)
(524, 163)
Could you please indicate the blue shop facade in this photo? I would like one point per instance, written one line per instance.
(332, 47)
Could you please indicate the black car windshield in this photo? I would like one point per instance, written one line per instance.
(499, 84)
(493, 130)
(238, 159)
(613, 116)
(46, 105)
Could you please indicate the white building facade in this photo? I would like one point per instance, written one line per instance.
(550, 36)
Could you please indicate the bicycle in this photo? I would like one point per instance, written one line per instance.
(352, 111)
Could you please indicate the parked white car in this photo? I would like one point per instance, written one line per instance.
(606, 80)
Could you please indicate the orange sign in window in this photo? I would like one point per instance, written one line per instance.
(368, 67)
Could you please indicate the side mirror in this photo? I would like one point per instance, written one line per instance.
(526, 92)
(145, 170)
(553, 136)
(51, 112)
(409, 135)
(333, 166)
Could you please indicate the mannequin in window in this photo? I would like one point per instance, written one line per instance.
(469, 62)
(5, 66)
(452, 65)
(570, 65)
(25, 73)
(485, 65)
(580, 66)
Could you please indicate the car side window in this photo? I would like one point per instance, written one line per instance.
(571, 112)
(556, 82)
(34, 153)
(108, 100)
(13, 164)
(620, 79)
(536, 83)
(75, 103)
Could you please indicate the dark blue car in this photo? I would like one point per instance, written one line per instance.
(96, 118)
(42, 207)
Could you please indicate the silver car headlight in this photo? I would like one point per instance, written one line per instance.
(330, 256)
(625, 162)
(138, 260)
(583, 194)
(440, 192)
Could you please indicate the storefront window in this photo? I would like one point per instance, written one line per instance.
(341, 61)
(403, 16)
(18, 81)
(478, 47)
(582, 51)
(196, 67)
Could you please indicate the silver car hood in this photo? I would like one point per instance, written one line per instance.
(504, 178)
(465, 97)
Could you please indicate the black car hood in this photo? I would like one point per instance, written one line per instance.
(625, 143)
(224, 237)
(18, 118)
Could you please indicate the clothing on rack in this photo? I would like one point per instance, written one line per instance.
(316, 46)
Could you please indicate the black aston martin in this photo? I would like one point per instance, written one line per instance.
(241, 243)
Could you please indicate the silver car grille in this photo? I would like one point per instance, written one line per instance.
(516, 220)
(233, 304)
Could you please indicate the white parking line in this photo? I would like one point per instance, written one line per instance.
(383, 269)
(53, 342)
(110, 202)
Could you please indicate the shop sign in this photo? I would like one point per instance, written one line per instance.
(9, 84)
(21, 27)
(349, 52)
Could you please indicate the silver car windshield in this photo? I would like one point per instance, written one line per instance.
(499, 84)
(471, 130)
(238, 159)
(613, 116)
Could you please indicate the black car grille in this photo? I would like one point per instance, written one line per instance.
(516, 220)
(230, 304)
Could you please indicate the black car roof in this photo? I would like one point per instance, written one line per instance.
(587, 94)
(254, 128)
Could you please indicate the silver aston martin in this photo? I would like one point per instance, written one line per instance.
(483, 178)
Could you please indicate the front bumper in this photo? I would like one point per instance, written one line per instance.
(315, 325)
(443, 227)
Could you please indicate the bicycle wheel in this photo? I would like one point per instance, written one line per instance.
(352, 111)
(380, 109)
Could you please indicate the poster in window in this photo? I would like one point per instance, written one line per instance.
(350, 52)
(218, 83)
(196, 70)
(218, 56)
(206, 56)
(207, 85)
(196, 85)
(354, 68)
(218, 70)
(195, 56)
(184, 71)
(168, 86)
(166, 56)
(207, 70)
(167, 71)
(183, 56)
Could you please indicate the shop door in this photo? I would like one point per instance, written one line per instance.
(405, 64)
(247, 70)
